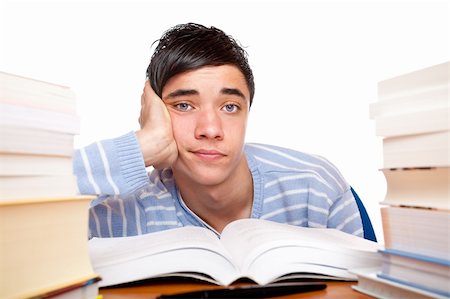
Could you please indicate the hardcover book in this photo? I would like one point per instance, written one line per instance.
(419, 271)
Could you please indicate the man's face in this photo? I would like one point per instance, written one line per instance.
(209, 110)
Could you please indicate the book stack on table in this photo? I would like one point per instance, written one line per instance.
(43, 222)
(412, 117)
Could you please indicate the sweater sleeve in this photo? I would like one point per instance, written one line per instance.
(344, 215)
(110, 167)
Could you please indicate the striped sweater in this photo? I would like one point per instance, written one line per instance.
(289, 187)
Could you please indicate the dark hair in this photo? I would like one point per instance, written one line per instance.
(191, 46)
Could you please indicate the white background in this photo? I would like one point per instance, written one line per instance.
(316, 65)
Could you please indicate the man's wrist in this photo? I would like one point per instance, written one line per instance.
(145, 145)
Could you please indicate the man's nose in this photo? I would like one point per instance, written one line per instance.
(209, 125)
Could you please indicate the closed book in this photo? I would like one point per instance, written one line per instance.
(42, 119)
(28, 92)
(38, 186)
(414, 81)
(425, 272)
(419, 187)
(419, 122)
(418, 150)
(79, 289)
(33, 165)
(420, 231)
(369, 283)
(43, 245)
(21, 140)
(411, 101)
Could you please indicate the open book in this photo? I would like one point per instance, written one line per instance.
(260, 250)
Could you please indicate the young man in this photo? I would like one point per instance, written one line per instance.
(194, 112)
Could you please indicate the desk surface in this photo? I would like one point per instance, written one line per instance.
(151, 290)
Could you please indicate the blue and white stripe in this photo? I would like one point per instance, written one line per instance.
(290, 187)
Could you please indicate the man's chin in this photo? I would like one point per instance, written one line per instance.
(201, 177)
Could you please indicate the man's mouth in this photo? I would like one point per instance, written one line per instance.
(208, 154)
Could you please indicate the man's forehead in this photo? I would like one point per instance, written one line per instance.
(224, 79)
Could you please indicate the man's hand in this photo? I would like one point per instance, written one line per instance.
(155, 136)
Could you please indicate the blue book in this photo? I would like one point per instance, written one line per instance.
(423, 272)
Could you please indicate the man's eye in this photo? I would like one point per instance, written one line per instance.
(231, 108)
(183, 106)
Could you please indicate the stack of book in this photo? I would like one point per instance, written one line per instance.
(43, 222)
(412, 117)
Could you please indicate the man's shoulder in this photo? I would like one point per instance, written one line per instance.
(271, 158)
(286, 156)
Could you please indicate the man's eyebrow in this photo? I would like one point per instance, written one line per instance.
(233, 91)
(188, 92)
(181, 92)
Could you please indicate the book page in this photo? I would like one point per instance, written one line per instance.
(261, 244)
(419, 187)
(105, 251)
(185, 249)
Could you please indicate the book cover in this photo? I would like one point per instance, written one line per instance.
(415, 285)
(429, 273)
(369, 283)
(79, 289)
(44, 245)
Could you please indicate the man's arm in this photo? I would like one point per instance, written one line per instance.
(110, 167)
(344, 215)
(117, 166)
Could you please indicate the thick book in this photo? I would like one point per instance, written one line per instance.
(82, 289)
(424, 272)
(418, 150)
(415, 101)
(28, 92)
(44, 247)
(37, 186)
(32, 165)
(418, 187)
(414, 82)
(423, 89)
(417, 230)
(260, 250)
(419, 122)
(20, 140)
(369, 283)
(42, 119)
